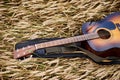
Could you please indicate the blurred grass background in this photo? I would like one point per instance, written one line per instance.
(28, 19)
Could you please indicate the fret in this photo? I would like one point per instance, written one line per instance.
(39, 45)
(48, 43)
(44, 45)
(90, 36)
(53, 42)
(66, 41)
(77, 39)
(17, 50)
(83, 37)
(62, 42)
(87, 37)
(56, 42)
(74, 39)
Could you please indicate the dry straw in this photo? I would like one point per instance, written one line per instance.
(28, 19)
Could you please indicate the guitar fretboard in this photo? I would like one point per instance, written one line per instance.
(67, 40)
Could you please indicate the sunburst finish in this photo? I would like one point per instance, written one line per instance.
(104, 47)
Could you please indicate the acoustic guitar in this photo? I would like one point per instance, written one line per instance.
(102, 38)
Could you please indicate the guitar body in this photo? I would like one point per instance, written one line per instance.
(108, 45)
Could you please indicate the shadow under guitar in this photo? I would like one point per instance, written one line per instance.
(112, 54)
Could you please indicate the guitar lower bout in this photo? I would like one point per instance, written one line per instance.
(108, 44)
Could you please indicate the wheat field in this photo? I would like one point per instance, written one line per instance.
(29, 19)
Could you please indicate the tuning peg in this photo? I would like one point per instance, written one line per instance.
(36, 46)
(31, 56)
(23, 48)
(17, 50)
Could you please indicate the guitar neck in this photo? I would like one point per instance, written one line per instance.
(66, 40)
(29, 49)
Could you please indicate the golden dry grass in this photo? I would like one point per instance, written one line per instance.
(29, 19)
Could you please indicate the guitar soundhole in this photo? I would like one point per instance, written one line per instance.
(104, 34)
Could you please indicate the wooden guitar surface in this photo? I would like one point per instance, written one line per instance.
(109, 44)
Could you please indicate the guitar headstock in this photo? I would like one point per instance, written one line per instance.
(18, 53)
